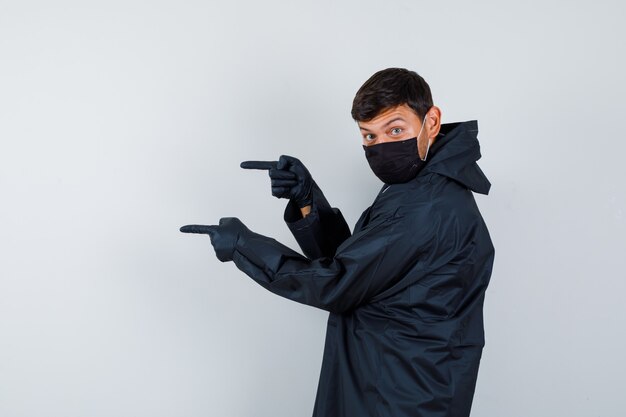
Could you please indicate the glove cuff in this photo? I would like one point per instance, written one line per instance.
(306, 201)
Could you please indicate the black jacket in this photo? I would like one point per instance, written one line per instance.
(405, 290)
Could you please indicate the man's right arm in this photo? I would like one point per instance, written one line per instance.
(318, 228)
(320, 232)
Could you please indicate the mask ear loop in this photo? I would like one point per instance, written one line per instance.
(427, 149)
(418, 138)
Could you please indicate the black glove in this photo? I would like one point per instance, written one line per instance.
(290, 178)
(223, 237)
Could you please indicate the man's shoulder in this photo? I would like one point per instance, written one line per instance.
(438, 199)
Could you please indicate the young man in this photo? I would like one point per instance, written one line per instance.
(405, 289)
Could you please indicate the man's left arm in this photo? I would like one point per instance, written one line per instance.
(366, 264)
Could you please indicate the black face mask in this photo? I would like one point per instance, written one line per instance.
(395, 162)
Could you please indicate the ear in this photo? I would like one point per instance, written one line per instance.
(432, 119)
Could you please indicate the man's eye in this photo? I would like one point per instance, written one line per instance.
(396, 131)
(369, 137)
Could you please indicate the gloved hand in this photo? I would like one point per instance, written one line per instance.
(223, 237)
(289, 178)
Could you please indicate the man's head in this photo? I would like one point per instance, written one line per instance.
(391, 106)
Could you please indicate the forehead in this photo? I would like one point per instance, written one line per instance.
(402, 111)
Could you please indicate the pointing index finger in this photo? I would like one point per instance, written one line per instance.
(198, 228)
(267, 165)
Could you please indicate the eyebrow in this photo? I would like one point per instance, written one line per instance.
(386, 124)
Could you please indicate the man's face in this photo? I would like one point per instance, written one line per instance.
(393, 124)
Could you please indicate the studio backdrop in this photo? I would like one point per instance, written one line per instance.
(121, 121)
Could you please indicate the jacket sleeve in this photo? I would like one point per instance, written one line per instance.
(320, 233)
(364, 265)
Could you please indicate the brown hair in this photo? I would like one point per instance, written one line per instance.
(389, 88)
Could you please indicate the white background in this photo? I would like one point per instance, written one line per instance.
(120, 121)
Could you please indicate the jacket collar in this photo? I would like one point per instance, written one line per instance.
(454, 155)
